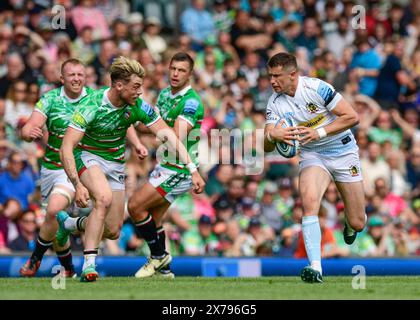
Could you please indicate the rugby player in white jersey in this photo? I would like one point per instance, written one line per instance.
(328, 150)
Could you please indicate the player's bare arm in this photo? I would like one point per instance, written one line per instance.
(166, 134)
(346, 118)
(70, 141)
(134, 140)
(182, 128)
(33, 127)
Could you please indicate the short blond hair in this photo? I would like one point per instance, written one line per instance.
(123, 68)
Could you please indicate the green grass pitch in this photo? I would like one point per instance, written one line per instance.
(190, 288)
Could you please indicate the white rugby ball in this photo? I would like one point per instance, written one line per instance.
(286, 150)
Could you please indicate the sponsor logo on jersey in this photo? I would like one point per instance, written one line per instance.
(270, 116)
(79, 120)
(354, 171)
(40, 105)
(311, 107)
(191, 106)
(313, 122)
(147, 108)
(325, 92)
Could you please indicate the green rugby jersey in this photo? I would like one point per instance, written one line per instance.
(187, 105)
(58, 109)
(105, 126)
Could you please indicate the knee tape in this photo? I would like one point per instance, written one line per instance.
(63, 192)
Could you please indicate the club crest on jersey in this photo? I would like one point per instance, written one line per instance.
(354, 171)
(127, 114)
(312, 108)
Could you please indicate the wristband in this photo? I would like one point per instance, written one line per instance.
(322, 133)
(269, 138)
(191, 167)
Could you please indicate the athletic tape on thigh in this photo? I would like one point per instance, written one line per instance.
(65, 193)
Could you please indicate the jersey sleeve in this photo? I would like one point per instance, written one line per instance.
(145, 113)
(271, 115)
(83, 115)
(326, 95)
(43, 106)
(190, 111)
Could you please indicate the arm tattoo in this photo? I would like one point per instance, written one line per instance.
(70, 168)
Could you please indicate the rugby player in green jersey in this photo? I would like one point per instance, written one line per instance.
(98, 129)
(54, 110)
(182, 109)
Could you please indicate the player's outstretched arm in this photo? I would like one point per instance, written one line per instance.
(134, 140)
(32, 130)
(163, 132)
(70, 140)
(346, 119)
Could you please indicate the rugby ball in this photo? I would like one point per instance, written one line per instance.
(286, 150)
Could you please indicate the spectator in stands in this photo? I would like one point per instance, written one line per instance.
(287, 36)
(82, 17)
(309, 36)
(339, 39)
(413, 167)
(83, 45)
(396, 163)
(393, 206)
(234, 193)
(17, 107)
(218, 182)
(102, 61)
(270, 213)
(246, 38)
(197, 23)
(365, 66)
(410, 130)
(9, 215)
(249, 242)
(14, 183)
(392, 77)
(330, 203)
(27, 233)
(376, 167)
(383, 130)
(222, 17)
(15, 71)
(376, 242)
(152, 39)
(251, 67)
(288, 243)
(200, 240)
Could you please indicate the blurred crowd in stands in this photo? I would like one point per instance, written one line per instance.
(369, 53)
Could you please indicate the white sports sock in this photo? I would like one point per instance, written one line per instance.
(70, 224)
(312, 238)
(89, 260)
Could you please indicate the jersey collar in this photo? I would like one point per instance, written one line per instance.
(106, 101)
(63, 94)
(179, 93)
